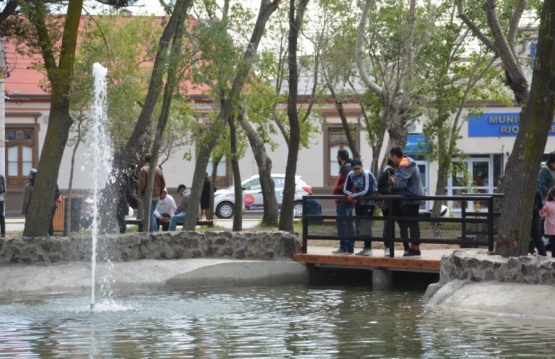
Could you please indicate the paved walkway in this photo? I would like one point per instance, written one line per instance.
(17, 224)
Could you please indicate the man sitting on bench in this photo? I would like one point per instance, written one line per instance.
(164, 209)
(179, 216)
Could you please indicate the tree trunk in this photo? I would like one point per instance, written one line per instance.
(267, 8)
(144, 121)
(69, 206)
(264, 163)
(524, 162)
(238, 216)
(39, 216)
(288, 203)
(172, 81)
(513, 72)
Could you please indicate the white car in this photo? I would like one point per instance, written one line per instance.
(224, 199)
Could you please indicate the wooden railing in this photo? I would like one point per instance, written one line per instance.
(476, 229)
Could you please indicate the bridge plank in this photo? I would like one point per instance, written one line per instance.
(400, 263)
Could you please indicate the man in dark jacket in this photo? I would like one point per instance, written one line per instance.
(344, 207)
(385, 187)
(408, 184)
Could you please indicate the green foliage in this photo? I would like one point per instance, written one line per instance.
(127, 47)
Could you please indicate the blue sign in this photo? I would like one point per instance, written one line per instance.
(415, 144)
(504, 124)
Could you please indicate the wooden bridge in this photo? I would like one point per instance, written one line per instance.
(466, 229)
(321, 256)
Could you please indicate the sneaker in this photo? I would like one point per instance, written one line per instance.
(365, 252)
(413, 253)
(341, 252)
(386, 252)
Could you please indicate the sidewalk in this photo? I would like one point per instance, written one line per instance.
(14, 224)
(17, 224)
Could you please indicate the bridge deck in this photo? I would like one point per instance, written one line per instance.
(321, 256)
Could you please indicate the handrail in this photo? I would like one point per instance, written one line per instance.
(487, 218)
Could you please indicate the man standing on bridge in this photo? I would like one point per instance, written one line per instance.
(344, 207)
(360, 183)
(408, 184)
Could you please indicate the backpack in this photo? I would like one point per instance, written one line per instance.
(2, 185)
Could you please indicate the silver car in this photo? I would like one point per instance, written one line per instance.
(224, 199)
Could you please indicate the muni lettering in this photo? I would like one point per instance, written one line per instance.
(497, 125)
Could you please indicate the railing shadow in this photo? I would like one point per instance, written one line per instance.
(465, 228)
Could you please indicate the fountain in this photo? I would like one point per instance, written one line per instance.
(100, 160)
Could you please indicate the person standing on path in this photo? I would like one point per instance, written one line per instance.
(205, 198)
(548, 213)
(157, 189)
(536, 241)
(344, 207)
(2, 206)
(546, 181)
(407, 183)
(360, 183)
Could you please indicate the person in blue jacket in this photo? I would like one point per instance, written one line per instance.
(361, 183)
(407, 183)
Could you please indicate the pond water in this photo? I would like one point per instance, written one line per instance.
(263, 322)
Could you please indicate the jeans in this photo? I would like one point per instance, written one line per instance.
(364, 225)
(164, 225)
(153, 203)
(175, 220)
(2, 220)
(409, 210)
(345, 227)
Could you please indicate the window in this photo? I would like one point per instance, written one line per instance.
(334, 140)
(477, 174)
(21, 154)
(222, 179)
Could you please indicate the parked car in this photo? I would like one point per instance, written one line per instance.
(224, 199)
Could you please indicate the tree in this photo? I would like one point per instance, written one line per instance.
(267, 8)
(142, 126)
(60, 75)
(394, 67)
(456, 78)
(523, 163)
(296, 13)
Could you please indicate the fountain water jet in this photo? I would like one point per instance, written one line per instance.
(100, 158)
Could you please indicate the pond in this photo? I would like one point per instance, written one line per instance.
(263, 322)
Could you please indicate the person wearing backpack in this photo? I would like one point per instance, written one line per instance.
(2, 207)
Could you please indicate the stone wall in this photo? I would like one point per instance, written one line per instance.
(478, 266)
(162, 245)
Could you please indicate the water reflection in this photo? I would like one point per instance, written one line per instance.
(278, 322)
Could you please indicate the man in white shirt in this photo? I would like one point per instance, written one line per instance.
(164, 208)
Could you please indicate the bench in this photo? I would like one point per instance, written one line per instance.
(166, 221)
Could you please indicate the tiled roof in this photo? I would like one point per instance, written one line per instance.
(25, 80)
(22, 78)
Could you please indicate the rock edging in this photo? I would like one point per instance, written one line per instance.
(163, 245)
(477, 281)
